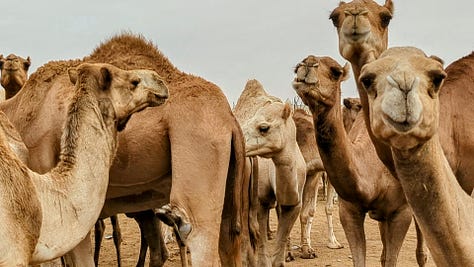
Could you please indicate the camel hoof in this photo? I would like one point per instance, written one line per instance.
(335, 245)
(290, 256)
(308, 253)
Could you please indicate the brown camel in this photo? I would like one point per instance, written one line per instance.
(195, 127)
(14, 72)
(67, 200)
(362, 182)
(366, 18)
(270, 133)
(403, 87)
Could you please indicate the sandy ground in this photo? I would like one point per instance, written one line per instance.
(326, 257)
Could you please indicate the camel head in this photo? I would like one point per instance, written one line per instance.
(267, 132)
(362, 28)
(122, 92)
(351, 107)
(317, 81)
(402, 87)
(14, 71)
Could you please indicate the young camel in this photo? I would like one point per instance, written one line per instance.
(14, 72)
(362, 182)
(270, 133)
(67, 200)
(403, 87)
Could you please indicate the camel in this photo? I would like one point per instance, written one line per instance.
(68, 200)
(14, 72)
(270, 133)
(195, 127)
(403, 87)
(368, 40)
(362, 182)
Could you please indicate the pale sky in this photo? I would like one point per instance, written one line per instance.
(225, 42)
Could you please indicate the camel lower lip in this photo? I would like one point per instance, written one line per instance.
(399, 126)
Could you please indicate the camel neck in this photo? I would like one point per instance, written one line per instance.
(335, 150)
(383, 150)
(440, 205)
(72, 194)
(290, 173)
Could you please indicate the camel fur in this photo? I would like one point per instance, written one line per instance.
(403, 87)
(362, 182)
(67, 200)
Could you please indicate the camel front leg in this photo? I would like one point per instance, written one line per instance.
(352, 220)
(263, 219)
(393, 232)
(310, 195)
(332, 241)
(286, 220)
(81, 255)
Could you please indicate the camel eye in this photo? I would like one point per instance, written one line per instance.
(385, 18)
(437, 77)
(135, 82)
(264, 128)
(335, 19)
(336, 72)
(367, 81)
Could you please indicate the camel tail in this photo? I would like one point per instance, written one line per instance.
(235, 230)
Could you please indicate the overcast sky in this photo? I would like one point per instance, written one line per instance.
(226, 42)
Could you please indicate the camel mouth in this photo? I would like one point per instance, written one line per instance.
(356, 36)
(11, 69)
(158, 101)
(401, 127)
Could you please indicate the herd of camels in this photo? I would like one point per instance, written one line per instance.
(403, 150)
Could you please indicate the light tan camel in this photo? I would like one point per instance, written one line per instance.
(270, 133)
(362, 182)
(14, 72)
(194, 128)
(403, 87)
(67, 200)
(457, 142)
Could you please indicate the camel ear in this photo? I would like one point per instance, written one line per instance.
(389, 5)
(286, 111)
(72, 75)
(346, 71)
(106, 78)
(437, 59)
(27, 63)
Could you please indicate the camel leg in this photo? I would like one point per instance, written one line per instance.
(421, 248)
(151, 236)
(286, 220)
(310, 195)
(81, 255)
(393, 232)
(270, 232)
(143, 250)
(117, 236)
(263, 218)
(332, 241)
(352, 220)
(99, 229)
